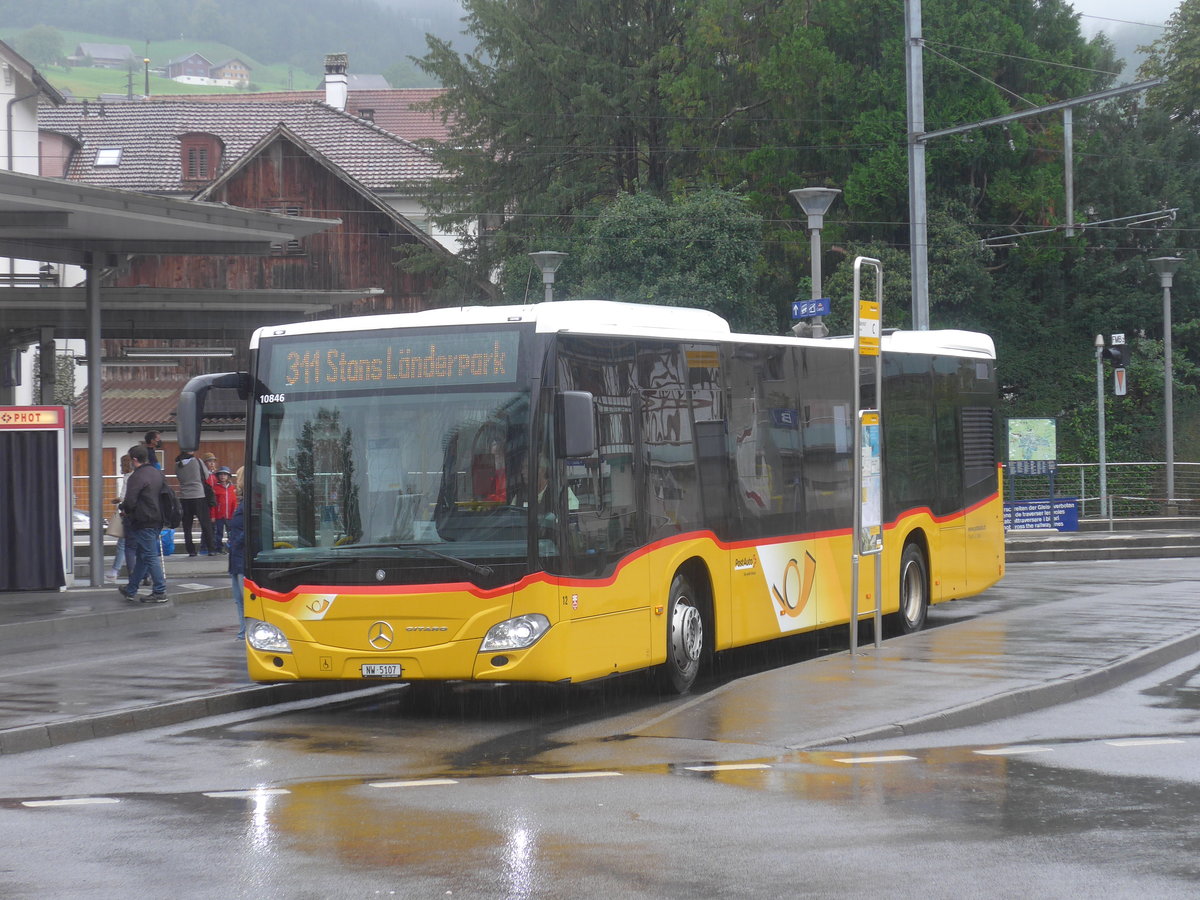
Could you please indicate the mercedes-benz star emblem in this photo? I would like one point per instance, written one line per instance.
(380, 635)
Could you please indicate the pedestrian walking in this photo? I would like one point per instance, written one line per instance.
(125, 553)
(237, 556)
(225, 492)
(193, 494)
(143, 526)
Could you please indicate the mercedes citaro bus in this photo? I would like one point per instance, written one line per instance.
(566, 491)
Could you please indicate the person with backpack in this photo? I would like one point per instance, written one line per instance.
(194, 492)
(143, 509)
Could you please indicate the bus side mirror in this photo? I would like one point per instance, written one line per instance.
(190, 409)
(576, 417)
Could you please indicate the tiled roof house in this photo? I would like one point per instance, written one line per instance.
(394, 109)
(178, 147)
(104, 56)
(301, 158)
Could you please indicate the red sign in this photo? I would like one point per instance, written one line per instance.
(23, 418)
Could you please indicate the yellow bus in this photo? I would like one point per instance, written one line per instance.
(566, 491)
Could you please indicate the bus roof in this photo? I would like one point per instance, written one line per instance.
(581, 316)
(609, 317)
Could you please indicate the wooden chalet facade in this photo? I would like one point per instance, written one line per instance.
(302, 159)
(194, 65)
(286, 175)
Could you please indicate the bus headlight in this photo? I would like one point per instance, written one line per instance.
(515, 634)
(265, 636)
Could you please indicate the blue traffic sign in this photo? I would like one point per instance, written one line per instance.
(806, 309)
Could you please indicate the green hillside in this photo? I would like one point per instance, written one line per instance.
(89, 82)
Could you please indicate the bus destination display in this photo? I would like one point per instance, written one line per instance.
(351, 362)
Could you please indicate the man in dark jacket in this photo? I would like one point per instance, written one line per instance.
(143, 526)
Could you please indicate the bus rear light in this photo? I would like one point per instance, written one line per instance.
(515, 634)
(265, 636)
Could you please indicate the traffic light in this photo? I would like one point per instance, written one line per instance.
(1117, 354)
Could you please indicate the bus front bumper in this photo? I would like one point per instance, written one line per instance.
(450, 661)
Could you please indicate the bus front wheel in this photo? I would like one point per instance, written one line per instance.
(914, 591)
(685, 636)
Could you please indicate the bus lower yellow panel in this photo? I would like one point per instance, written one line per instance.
(600, 627)
(985, 546)
(779, 588)
(608, 645)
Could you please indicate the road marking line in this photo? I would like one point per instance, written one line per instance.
(552, 776)
(1013, 751)
(415, 783)
(71, 801)
(859, 760)
(1143, 742)
(253, 794)
(730, 767)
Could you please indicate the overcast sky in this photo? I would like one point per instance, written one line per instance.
(1096, 12)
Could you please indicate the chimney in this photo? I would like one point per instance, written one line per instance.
(336, 80)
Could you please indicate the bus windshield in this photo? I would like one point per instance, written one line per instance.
(390, 444)
(396, 470)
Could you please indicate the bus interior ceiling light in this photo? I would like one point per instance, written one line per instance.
(192, 352)
(157, 362)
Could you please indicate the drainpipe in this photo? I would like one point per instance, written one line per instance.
(9, 114)
(11, 103)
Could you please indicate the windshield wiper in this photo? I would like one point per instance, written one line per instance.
(482, 571)
(279, 573)
(485, 571)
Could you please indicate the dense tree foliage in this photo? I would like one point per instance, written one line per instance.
(565, 118)
(42, 45)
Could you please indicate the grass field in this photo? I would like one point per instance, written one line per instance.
(90, 83)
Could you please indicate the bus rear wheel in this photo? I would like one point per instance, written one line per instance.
(685, 636)
(914, 592)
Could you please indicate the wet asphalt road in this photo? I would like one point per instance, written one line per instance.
(446, 793)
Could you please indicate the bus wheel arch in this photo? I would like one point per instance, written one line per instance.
(914, 590)
(689, 627)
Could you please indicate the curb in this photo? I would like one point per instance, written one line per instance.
(43, 737)
(1026, 699)
(72, 623)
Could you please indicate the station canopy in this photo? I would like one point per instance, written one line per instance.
(54, 221)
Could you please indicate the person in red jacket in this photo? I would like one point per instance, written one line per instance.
(226, 494)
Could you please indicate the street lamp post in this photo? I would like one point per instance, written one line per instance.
(1100, 425)
(1166, 267)
(815, 201)
(548, 261)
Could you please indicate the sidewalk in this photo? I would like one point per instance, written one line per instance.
(84, 663)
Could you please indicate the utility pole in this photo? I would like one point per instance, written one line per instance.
(918, 214)
(1100, 424)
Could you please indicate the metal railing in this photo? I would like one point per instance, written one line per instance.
(1135, 490)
